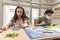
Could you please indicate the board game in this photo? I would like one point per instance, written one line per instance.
(42, 31)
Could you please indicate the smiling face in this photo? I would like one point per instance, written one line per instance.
(19, 12)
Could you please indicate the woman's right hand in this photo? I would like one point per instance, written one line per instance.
(3, 28)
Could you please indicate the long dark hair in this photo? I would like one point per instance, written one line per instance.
(15, 17)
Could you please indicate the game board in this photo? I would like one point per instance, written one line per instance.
(41, 31)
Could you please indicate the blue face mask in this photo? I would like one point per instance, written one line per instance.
(48, 17)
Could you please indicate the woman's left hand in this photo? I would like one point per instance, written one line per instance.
(23, 25)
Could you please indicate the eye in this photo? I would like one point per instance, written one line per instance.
(21, 12)
(18, 11)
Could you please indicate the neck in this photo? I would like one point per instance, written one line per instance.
(19, 18)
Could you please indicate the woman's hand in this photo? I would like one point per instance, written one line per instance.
(22, 25)
(4, 28)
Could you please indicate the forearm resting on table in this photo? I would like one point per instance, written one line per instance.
(53, 24)
(4, 28)
(38, 24)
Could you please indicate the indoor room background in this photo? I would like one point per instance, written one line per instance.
(33, 9)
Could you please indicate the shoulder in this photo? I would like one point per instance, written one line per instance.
(40, 17)
(26, 18)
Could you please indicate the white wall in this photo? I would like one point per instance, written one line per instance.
(1, 19)
(56, 6)
(57, 18)
(8, 13)
(56, 1)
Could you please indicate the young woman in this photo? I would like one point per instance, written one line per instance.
(19, 19)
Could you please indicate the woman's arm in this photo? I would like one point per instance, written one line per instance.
(28, 23)
(4, 28)
(7, 26)
(10, 24)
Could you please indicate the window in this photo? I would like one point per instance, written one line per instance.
(8, 13)
(35, 14)
(42, 11)
(27, 11)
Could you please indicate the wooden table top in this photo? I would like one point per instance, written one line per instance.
(22, 35)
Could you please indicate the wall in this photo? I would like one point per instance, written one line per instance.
(56, 6)
(1, 18)
(56, 17)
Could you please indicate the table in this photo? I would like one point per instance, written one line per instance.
(22, 35)
(34, 34)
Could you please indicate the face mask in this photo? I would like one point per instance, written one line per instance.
(48, 17)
